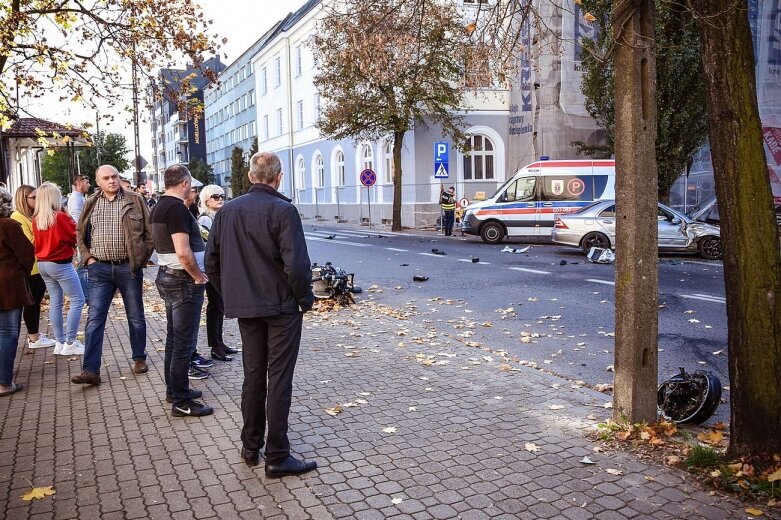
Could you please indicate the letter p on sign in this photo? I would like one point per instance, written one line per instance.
(440, 152)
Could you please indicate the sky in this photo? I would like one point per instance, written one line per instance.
(241, 21)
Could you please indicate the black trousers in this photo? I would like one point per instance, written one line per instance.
(450, 217)
(215, 316)
(32, 313)
(270, 350)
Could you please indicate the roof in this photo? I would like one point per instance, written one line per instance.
(30, 126)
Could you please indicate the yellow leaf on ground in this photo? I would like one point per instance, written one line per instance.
(336, 410)
(710, 437)
(614, 471)
(776, 475)
(556, 407)
(753, 511)
(38, 493)
(530, 446)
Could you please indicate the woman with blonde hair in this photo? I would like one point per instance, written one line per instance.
(24, 206)
(212, 199)
(55, 240)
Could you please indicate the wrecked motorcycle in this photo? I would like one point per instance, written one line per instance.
(689, 398)
(330, 282)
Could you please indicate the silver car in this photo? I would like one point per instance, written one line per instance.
(595, 226)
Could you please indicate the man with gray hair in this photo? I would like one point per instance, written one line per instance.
(257, 258)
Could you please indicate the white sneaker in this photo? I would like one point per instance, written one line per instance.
(42, 342)
(58, 348)
(73, 349)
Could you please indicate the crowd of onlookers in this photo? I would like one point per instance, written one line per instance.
(46, 247)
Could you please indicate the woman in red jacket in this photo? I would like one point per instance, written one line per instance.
(55, 240)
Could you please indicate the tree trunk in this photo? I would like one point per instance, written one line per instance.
(398, 140)
(752, 264)
(637, 287)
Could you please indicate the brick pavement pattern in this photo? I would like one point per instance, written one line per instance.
(430, 427)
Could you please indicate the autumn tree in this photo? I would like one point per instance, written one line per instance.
(240, 183)
(378, 82)
(113, 150)
(680, 88)
(752, 263)
(82, 50)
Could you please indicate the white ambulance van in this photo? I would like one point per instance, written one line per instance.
(527, 204)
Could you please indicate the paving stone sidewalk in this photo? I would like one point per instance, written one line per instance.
(429, 428)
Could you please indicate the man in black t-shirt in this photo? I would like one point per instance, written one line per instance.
(181, 283)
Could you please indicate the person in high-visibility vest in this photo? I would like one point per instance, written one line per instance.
(448, 203)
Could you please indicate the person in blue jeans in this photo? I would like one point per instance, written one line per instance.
(115, 243)
(55, 242)
(16, 261)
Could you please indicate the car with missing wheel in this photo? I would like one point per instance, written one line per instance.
(595, 226)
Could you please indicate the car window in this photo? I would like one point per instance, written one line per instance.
(662, 213)
(609, 212)
(522, 189)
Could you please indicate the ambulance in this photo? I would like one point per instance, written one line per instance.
(527, 204)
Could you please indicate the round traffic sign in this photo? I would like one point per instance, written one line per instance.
(464, 202)
(368, 177)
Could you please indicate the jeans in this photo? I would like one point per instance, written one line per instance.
(183, 303)
(84, 281)
(32, 313)
(10, 324)
(62, 279)
(269, 355)
(104, 281)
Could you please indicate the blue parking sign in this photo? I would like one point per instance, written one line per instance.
(441, 155)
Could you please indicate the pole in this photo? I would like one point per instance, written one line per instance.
(137, 141)
(97, 136)
(338, 208)
(369, 200)
(317, 205)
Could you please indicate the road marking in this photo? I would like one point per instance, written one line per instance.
(340, 242)
(361, 234)
(525, 270)
(595, 280)
(396, 249)
(705, 298)
(470, 261)
(432, 254)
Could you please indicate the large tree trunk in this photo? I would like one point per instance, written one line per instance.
(637, 286)
(752, 265)
(398, 139)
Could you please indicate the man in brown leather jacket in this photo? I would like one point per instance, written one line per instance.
(115, 242)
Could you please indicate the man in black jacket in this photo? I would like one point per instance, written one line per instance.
(257, 258)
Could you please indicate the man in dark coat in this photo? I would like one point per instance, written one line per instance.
(257, 258)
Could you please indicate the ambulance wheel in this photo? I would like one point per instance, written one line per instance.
(594, 239)
(492, 232)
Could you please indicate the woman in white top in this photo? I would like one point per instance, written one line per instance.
(212, 198)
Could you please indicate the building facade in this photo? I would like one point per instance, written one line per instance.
(177, 135)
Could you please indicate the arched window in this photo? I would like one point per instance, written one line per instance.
(367, 157)
(388, 164)
(340, 178)
(319, 173)
(300, 174)
(479, 158)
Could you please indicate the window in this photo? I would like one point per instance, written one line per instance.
(252, 129)
(266, 134)
(479, 160)
(300, 171)
(388, 164)
(263, 81)
(340, 168)
(300, 114)
(367, 157)
(317, 107)
(299, 61)
(277, 71)
(252, 98)
(319, 171)
(522, 189)
(279, 121)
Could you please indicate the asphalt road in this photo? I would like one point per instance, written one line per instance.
(566, 310)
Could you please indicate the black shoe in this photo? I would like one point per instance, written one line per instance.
(201, 362)
(229, 350)
(290, 466)
(192, 409)
(192, 394)
(197, 373)
(221, 357)
(251, 458)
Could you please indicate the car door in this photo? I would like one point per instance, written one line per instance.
(520, 213)
(606, 222)
(671, 235)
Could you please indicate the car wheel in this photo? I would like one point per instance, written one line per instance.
(492, 232)
(710, 248)
(594, 239)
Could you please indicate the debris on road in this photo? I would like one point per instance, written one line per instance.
(599, 255)
(475, 260)
(419, 278)
(333, 283)
(438, 252)
(508, 249)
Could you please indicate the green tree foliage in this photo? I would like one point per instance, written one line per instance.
(240, 183)
(680, 88)
(201, 171)
(376, 83)
(113, 151)
(55, 169)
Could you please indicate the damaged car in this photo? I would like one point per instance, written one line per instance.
(595, 226)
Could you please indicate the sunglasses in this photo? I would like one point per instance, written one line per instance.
(218, 197)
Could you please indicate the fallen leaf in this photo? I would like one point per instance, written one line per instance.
(397, 501)
(614, 471)
(715, 473)
(38, 493)
(776, 475)
(718, 352)
(504, 367)
(413, 408)
(753, 511)
(650, 478)
(719, 426)
(603, 387)
(389, 429)
(556, 407)
(361, 401)
(530, 446)
(710, 437)
(672, 460)
(336, 410)
(122, 378)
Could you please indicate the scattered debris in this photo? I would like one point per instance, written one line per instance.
(419, 278)
(438, 252)
(586, 460)
(475, 260)
(599, 255)
(330, 237)
(330, 282)
(563, 262)
(508, 249)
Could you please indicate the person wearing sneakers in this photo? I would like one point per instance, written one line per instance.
(24, 204)
(16, 260)
(54, 235)
(181, 283)
(115, 243)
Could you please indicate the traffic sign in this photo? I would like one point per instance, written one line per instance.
(441, 155)
(464, 202)
(368, 177)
